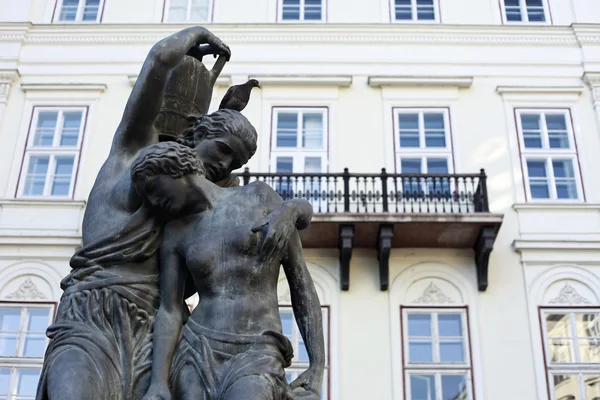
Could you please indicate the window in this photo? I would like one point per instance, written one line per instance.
(52, 152)
(299, 145)
(524, 11)
(415, 10)
(301, 10)
(79, 10)
(549, 155)
(436, 354)
(300, 361)
(22, 345)
(187, 10)
(572, 349)
(423, 146)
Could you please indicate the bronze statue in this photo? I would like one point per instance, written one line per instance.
(101, 345)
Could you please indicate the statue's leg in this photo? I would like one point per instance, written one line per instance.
(73, 376)
(251, 387)
(188, 385)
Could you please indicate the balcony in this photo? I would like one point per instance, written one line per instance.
(385, 211)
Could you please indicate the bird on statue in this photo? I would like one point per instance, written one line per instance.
(237, 96)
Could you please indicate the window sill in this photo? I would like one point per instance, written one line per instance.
(556, 205)
(42, 201)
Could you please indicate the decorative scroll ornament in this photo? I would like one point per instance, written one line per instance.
(433, 295)
(568, 295)
(27, 291)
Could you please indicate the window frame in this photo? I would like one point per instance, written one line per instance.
(299, 153)
(79, 15)
(19, 362)
(301, 19)
(423, 152)
(167, 5)
(433, 368)
(548, 154)
(523, 8)
(326, 316)
(51, 151)
(573, 368)
(436, 14)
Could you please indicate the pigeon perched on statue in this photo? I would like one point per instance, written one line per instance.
(237, 96)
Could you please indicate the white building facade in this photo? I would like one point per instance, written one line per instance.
(413, 308)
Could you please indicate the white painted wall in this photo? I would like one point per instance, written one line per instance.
(541, 246)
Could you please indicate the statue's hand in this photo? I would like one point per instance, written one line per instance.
(158, 392)
(280, 224)
(308, 384)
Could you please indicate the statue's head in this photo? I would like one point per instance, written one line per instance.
(162, 173)
(224, 141)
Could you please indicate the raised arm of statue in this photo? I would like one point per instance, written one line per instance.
(307, 311)
(136, 128)
(169, 320)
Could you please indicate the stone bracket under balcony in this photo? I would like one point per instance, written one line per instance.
(385, 231)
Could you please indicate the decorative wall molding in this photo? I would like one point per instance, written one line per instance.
(306, 80)
(399, 80)
(69, 87)
(569, 296)
(7, 77)
(539, 89)
(433, 295)
(27, 291)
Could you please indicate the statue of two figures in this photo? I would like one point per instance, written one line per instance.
(165, 219)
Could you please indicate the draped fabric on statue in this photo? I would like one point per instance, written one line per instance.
(107, 315)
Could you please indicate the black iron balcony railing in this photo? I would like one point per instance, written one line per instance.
(370, 193)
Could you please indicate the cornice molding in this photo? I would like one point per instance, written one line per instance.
(223, 80)
(307, 80)
(399, 80)
(70, 87)
(557, 206)
(344, 33)
(523, 245)
(528, 90)
(43, 203)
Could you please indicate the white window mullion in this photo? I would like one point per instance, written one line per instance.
(421, 130)
(551, 178)
(300, 129)
(544, 131)
(523, 6)
(80, 6)
(414, 15)
(188, 14)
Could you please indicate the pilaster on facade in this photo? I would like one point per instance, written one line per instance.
(593, 80)
(7, 77)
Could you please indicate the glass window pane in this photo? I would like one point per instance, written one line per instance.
(410, 166)
(420, 352)
(532, 133)
(90, 10)
(422, 387)
(450, 325)
(61, 182)
(587, 324)
(287, 130)
(312, 164)
(437, 166)
(34, 345)
(538, 181)
(557, 325)
(199, 10)
(425, 14)
(70, 129)
(287, 318)
(291, 10)
(563, 169)
(38, 319)
(561, 351)
(592, 386)
(312, 131)
(284, 164)
(27, 381)
(533, 2)
(513, 14)
(302, 354)
(46, 125)
(408, 121)
(312, 14)
(68, 11)
(419, 325)
(4, 382)
(454, 387)
(566, 387)
(10, 321)
(589, 350)
(178, 10)
(536, 14)
(283, 185)
(452, 351)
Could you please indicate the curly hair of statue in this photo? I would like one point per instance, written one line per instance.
(165, 158)
(218, 124)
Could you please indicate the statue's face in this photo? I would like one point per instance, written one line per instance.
(167, 194)
(219, 156)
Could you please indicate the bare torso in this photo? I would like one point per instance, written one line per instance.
(224, 261)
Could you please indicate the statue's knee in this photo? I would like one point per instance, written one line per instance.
(251, 387)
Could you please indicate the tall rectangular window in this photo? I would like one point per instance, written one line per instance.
(187, 10)
(436, 349)
(415, 10)
(299, 145)
(572, 349)
(78, 10)
(533, 11)
(549, 156)
(300, 361)
(22, 345)
(52, 152)
(301, 10)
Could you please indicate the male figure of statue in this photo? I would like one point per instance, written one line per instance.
(101, 339)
